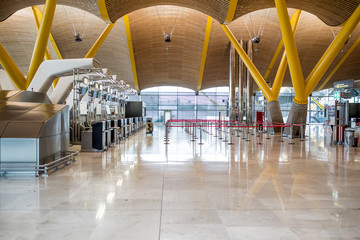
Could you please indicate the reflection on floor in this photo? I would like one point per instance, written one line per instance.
(144, 189)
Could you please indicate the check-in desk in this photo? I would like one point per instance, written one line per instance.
(108, 133)
(114, 131)
(121, 125)
(99, 136)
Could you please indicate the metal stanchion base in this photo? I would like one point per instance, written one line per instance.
(201, 143)
(230, 143)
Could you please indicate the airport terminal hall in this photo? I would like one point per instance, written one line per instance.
(179, 119)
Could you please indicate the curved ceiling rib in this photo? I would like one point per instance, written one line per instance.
(332, 12)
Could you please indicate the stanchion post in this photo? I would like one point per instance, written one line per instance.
(221, 132)
(267, 131)
(231, 130)
(291, 134)
(281, 133)
(259, 142)
(238, 129)
(302, 132)
(166, 140)
(247, 134)
(200, 143)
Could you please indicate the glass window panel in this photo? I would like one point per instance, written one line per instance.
(186, 100)
(186, 114)
(168, 100)
(152, 108)
(150, 100)
(164, 107)
(154, 115)
(186, 107)
(206, 100)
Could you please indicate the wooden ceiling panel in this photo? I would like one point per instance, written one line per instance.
(9, 7)
(18, 34)
(113, 54)
(332, 12)
(176, 63)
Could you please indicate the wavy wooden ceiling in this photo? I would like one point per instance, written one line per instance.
(332, 12)
(18, 34)
(180, 64)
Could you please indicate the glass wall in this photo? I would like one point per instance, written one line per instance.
(183, 103)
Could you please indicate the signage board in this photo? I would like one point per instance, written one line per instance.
(344, 84)
(346, 95)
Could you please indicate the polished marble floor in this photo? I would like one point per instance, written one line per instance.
(145, 189)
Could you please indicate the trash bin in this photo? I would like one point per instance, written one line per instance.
(349, 137)
(356, 137)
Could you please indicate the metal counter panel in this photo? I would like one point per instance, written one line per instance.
(10, 150)
(3, 125)
(23, 130)
(48, 147)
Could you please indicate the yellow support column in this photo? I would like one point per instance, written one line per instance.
(12, 70)
(204, 53)
(37, 18)
(280, 74)
(42, 39)
(339, 64)
(250, 65)
(131, 51)
(317, 103)
(103, 11)
(324, 63)
(51, 38)
(294, 18)
(279, 78)
(292, 53)
(231, 11)
(93, 50)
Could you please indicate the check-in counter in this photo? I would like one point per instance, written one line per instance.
(114, 131)
(121, 125)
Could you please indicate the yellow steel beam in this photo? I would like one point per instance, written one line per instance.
(231, 11)
(273, 60)
(280, 74)
(103, 11)
(291, 52)
(42, 39)
(51, 38)
(204, 53)
(317, 103)
(131, 51)
(279, 78)
(352, 48)
(250, 65)
(324, 63)
(37, 18)
(12, 70)
(93, 50)
(279, 47)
